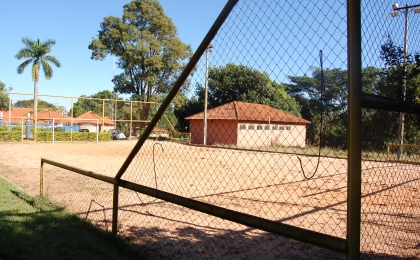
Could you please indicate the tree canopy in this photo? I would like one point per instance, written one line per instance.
(146, 44)
(85, 105)
(241, 83)
(41, 105)
(307, 91)
(4, 99)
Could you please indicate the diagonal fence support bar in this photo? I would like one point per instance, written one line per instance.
(80, 171)
(178, 84)
(300, 234)
(354, 127)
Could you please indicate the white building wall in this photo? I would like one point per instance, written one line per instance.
(258, 135)
(92, 127)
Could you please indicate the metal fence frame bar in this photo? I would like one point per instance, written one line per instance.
(389, 104)
(354, 183)
(300, 234)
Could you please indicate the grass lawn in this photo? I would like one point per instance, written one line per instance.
(35, 228)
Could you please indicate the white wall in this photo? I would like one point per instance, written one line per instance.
(282, 135)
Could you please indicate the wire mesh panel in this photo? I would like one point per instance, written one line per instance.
(267, 138)
(390, 172)
(87, 197)
(390, 190)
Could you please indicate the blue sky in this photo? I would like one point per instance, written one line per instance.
(291, 46)
(73, 24)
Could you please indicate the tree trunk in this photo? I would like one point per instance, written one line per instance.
(35, 98)
(35, 106)
(144, 114)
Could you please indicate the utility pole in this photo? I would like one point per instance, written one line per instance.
(401, 129)
(10, 107)
(209, 49)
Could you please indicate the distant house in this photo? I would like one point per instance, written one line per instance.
(248, 125)
(89, 120)
(45, 116)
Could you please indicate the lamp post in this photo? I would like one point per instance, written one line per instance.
(209, 49)
(404, 10)
(10, 107)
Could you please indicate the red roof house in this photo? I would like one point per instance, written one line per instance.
(89, 120)
(44, 116)
(248, 125)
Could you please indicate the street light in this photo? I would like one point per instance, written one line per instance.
(404, 85)
(208, 49)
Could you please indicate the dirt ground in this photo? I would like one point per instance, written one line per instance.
(266, 185)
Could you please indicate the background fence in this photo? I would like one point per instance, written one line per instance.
(278, 150)
(86, 113)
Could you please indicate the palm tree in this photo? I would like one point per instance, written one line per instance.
(36, 53)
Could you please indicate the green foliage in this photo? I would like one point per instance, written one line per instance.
(241, 83)
(6, 136)
(4, 98)
(30, 104)
(36, 52)
(307, 91)
(148, 49)
(96, 106)
(59, 136)
(382, 127)
(76, 136)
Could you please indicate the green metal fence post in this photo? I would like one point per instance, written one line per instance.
(354, 40)
(115, 210)
(41, 179)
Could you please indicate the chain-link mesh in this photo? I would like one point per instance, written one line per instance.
(254, 150)
(272, 142)
(89, 198)
(390, 171)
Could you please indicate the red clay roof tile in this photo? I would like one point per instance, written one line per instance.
(243, 111)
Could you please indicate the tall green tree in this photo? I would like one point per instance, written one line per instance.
(382, 127)
(4, 99)
(37, 54)
(333, 106)
(241, 83)
(146, 44)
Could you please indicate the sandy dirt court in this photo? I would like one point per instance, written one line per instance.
(267, 185)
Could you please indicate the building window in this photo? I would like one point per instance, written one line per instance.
(288, 128)
(251, 127)
(242, 127)
(281, 128)
(275, 127)
(266, 127)
(259, 127)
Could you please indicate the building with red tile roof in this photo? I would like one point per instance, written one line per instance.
(45, 116)
(248, 125)
(89, 120)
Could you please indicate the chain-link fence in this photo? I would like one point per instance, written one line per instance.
(267, 170)
(390, 197)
